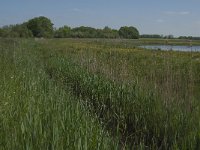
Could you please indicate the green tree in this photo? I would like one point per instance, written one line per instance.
(18, 30)
(129, 32)
(84, 32)
(155, 36)
(1, 32)
(6, 31)
(110, 33)
(63, 32)
(41, 27)
(21, 31)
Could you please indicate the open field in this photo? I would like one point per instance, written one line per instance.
(98, 94)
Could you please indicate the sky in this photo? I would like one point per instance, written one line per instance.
(176, 17)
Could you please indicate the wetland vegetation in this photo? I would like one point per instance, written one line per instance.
(98, 94)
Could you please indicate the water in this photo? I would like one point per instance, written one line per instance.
(174, 48)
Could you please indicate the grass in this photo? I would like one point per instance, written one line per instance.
(97, 94)
(35, 112)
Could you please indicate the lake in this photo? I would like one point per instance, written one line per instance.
(174, 48)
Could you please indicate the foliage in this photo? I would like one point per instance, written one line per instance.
(21, 31)
(108, 33)
(157, 36)
(189, 38)
(63, 32)
(18, 30)
(1, 32)
(41, 27)
(83, 32)
(129, 32)
(168, 37)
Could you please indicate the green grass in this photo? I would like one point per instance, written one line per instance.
(35, 113)
(174, 75)
(97, 94)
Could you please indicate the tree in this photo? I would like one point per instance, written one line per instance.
(84, 32)
(6, 31)
(18, 30)
(169, 37)
(41, 27)
(21, 30)
(1, 32)
(155, 36)
(109, 33)
(63, 32)
(129, 32)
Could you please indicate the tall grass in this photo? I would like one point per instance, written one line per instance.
(96, 94)
(173, 75)
(35, 113)
(157, 89)
(137, 118)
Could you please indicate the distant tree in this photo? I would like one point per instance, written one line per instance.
(18, 30)
(169, 37)
(41, 27)
(109, 33)
(195, 38)
(84, 32)
(6, 31)
(129, 32)
(63, 32)
(21, 30)
(151, 36)
(88, 32)
(182, 37)
(189, 37)
(1, 32)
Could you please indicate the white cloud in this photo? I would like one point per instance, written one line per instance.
(184, 13)
(160, 20)
(177, 12)
(40, 15)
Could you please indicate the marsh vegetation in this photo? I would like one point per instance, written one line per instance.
(97, 94)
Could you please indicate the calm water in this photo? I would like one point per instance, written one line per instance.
(175, 48)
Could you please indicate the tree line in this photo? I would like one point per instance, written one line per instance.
(43, 27)
(157, 36)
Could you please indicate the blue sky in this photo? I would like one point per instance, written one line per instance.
(177, 17)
